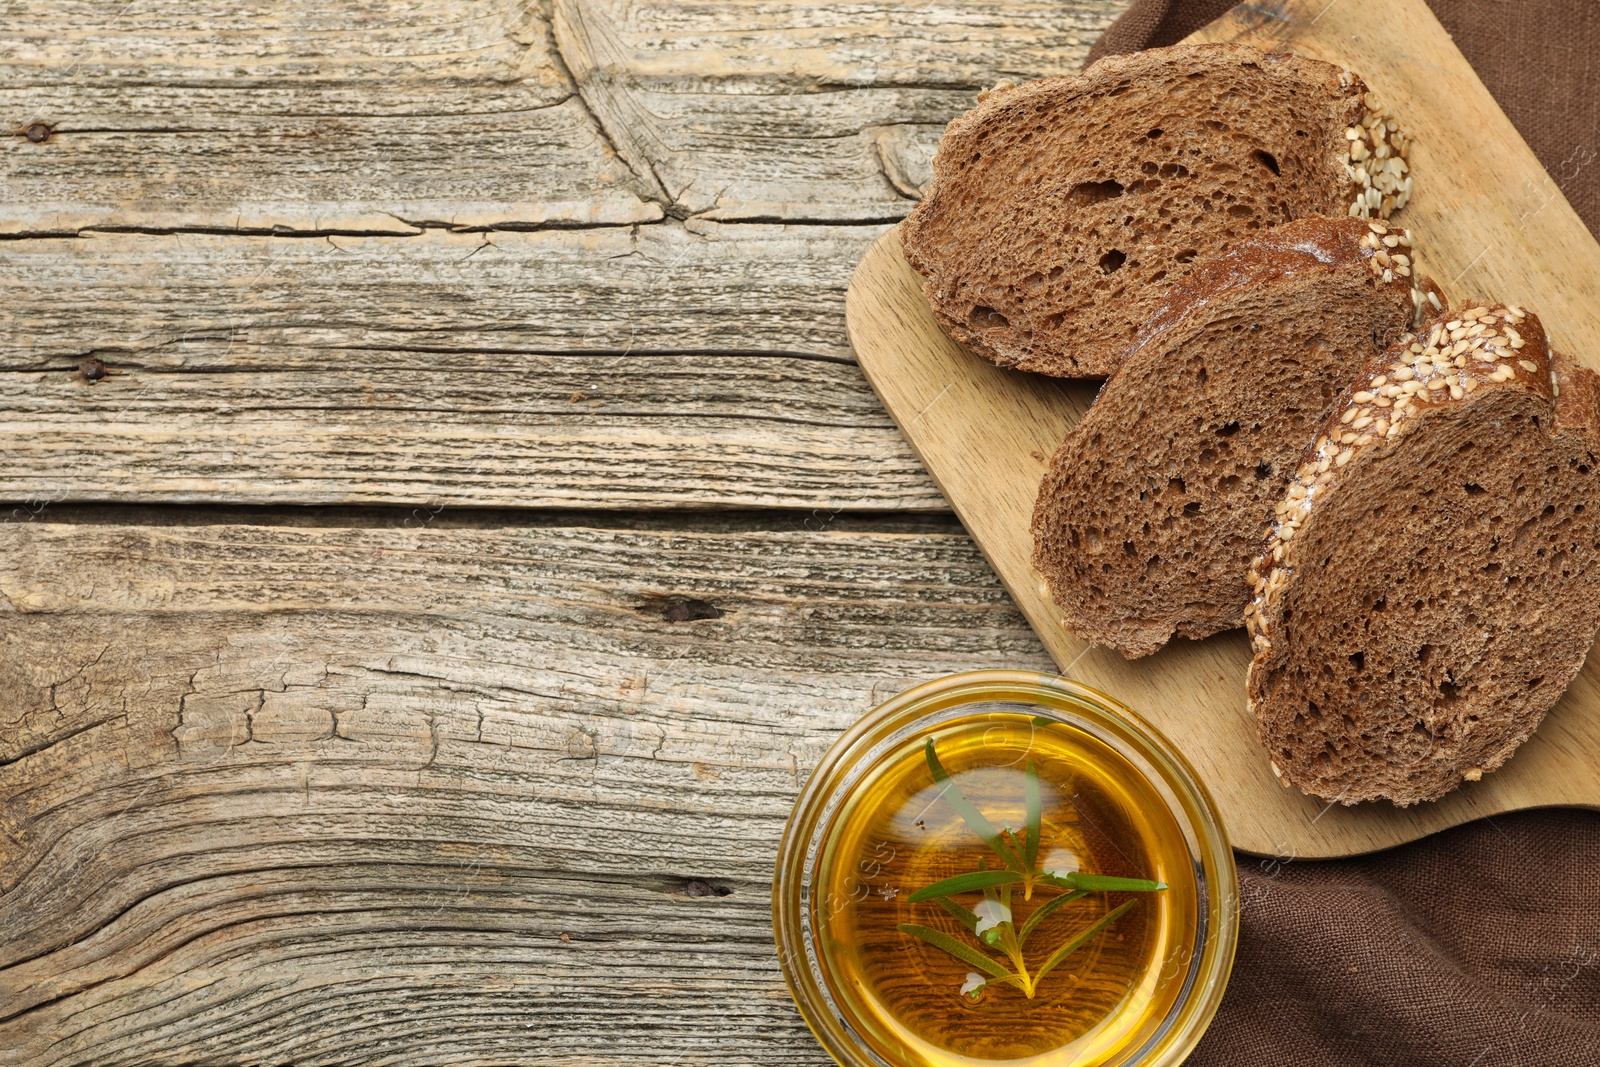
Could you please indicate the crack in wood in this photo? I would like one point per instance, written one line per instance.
(47, 744)
(572, 16)
(390, 849)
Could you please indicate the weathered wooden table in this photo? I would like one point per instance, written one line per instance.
(445, 520)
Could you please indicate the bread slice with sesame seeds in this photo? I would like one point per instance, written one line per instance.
(1061, 211)
(1432, 579)
(1157, 501)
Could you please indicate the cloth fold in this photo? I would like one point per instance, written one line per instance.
(1475, 947)
(1478, 946)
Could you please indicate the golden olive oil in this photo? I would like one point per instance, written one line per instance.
(898, 833)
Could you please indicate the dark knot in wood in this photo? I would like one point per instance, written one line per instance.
(674, 608)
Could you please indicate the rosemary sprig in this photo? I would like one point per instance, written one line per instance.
(992, 921)
(1044, 911)
(955, 948)
(1100, 883)
(965, 883)
(1082, 939)
(969, 814)
(963, 915)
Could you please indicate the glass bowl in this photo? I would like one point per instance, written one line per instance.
(1138, 992)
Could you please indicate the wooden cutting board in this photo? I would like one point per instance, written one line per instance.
(1489, 222)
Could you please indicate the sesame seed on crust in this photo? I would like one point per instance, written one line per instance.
(1375, 162)
(1441, 365)
(1390, 256)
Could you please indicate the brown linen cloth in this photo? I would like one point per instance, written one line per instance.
(1479, 946)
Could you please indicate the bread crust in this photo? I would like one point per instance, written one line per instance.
(1061, 211)
(1410, 724)
(1156, 502)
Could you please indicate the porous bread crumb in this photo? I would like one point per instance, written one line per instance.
(1431, 585)
(1449, 360)
(1157, 501)
(1062, 210)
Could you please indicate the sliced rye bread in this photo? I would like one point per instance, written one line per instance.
(1157, 501)
(1432, 580)
(1062, 210)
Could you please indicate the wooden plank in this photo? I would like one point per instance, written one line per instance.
(394, 363)
(323, 116)
(669, 366)
(989, 441)
(203, 301)
(804, 108)
(280, 42)
(438, 794)
(302, 117)
(254, 160)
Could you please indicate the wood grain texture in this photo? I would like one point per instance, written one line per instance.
(447, 369)
(781, 112)
(327, 294)
(986, 434)
(435, 795)
(425, 786)
(459, 805)
(300, 117)
(477, 112)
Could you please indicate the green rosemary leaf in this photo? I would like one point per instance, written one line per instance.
(1078, 942)
(1100, 883)
(964, 915)
(1035, 816)
(1042, 912)
(965, 883)
(946, 943)
(969, 814)
(988, 891)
